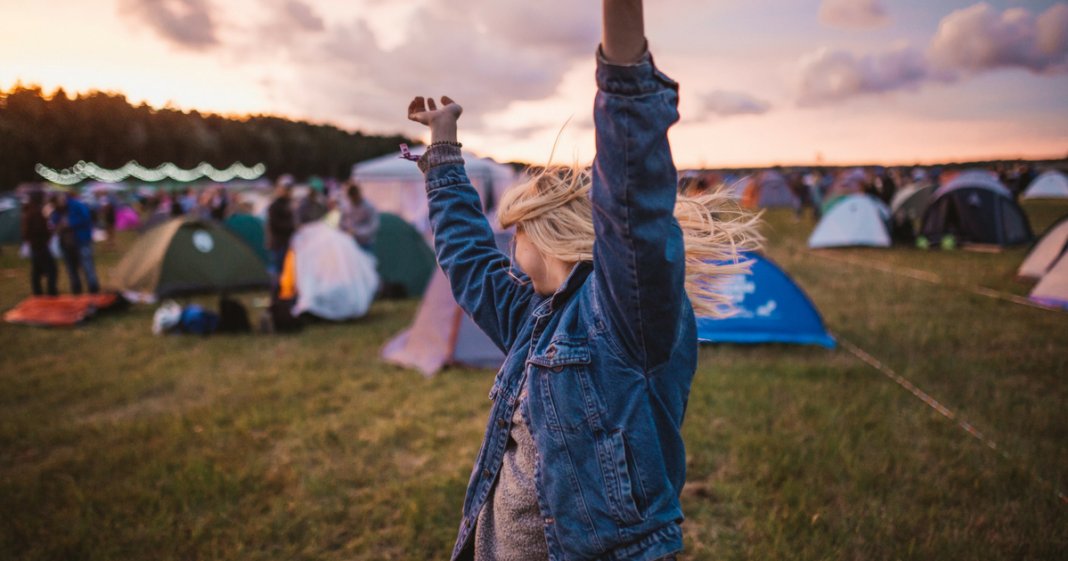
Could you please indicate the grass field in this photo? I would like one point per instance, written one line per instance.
(115, 444)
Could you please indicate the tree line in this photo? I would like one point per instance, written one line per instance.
(57, 130)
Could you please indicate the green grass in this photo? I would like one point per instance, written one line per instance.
(115, 444)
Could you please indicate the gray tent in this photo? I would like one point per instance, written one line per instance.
(442, 334)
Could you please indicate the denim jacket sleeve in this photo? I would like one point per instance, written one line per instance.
(477, 270)
(638, 255)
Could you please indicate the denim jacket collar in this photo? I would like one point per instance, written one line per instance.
(574, 280)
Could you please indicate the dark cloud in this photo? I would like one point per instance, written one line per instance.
(853, 13)
(970, 41)
(303, 15)
(726, 104)
(187, 23)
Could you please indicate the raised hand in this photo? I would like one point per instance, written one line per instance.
(442, 121)
(426, 111)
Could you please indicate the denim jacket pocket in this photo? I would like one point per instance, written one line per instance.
(622, 490)
(566, 388)
(562, 352)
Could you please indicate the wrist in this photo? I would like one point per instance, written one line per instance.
(439, 154)
(443, 130)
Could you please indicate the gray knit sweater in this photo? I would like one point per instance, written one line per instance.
(510, 525)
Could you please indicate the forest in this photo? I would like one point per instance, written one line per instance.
(58, 130)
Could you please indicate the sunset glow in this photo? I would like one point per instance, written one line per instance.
(762, 82)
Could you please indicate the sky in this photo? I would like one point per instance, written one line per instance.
(762, 82)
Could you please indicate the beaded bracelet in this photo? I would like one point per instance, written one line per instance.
(445, 143)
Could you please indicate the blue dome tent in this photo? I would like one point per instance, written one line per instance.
(772, 309)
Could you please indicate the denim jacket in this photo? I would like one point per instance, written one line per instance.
(608, 358)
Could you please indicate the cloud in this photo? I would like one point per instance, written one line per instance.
(726, 104)
(831, 75)
(970, 41)
(978, 39)
(484, 55)
(543, 25)
(187, 23)
(853, 14)
(303, 15)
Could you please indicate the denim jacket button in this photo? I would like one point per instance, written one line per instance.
(549, 521)
(551, 352)
(558, 369)
(501, 423)
(486, 473)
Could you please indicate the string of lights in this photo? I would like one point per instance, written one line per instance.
(88, 170)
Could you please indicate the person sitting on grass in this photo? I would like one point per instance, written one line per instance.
(583, 456)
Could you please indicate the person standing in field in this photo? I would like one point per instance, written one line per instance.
(280, 224)
(36, 233)
(583, 456)
(73, 223)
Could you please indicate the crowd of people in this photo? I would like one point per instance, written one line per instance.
(59, 226)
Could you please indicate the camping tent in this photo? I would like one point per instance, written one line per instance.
(442, 333)
(1050, 248)
(735, 186)
(126, 218)
(769, 190)
(910, 202)
(856, 220)
(10, 221)
(251, 231)
(847, 182)
(258, 201)
(1052, 290)
(188, 256)
(1050, 185)
(772, 309)
(907, 208)
(396, 185)
(405, 261)
(335, 279)
(975, 207)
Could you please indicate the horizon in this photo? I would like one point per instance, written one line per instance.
(818, 82)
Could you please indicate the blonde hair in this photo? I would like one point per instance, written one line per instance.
(554, 210)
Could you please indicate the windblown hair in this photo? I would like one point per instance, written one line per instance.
(554, 210)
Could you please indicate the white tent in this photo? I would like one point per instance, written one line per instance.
(855, 220)
(1046, 252)
(336, 280)
(1050, 185)
(1052, 290)
(396, 185)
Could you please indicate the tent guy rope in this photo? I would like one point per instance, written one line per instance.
(932, 278)
(945, 412)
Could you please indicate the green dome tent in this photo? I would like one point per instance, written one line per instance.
(405, 261)
(188, 256)
(10, 221)
(251, 230)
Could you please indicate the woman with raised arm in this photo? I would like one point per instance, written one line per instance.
(583, 456)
